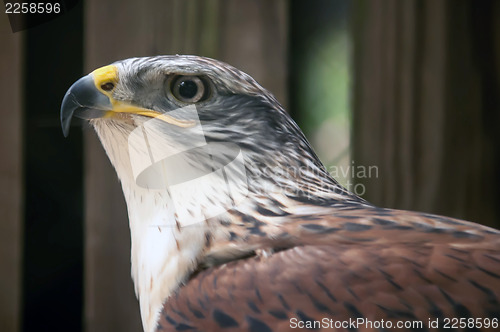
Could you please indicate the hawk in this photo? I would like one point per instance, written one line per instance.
(237, 226)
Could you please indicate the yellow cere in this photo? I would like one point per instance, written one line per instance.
(103, 75)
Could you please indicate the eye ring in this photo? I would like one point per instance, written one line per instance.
(189, 89)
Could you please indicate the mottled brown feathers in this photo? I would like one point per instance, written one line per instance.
(367, 262)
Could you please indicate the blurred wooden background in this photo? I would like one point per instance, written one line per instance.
(11, 176)
(425, 111)
(426, 105)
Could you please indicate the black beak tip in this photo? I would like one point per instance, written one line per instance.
(82, 96)
(65, 129)
(68, 107)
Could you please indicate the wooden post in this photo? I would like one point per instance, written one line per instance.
(426, 105)
(249, 34)
(11, 173)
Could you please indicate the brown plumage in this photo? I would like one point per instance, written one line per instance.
(370, 263)
(297, 250)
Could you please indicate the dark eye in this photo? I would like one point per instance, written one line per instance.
(189, 89)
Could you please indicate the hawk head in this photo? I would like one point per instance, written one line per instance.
(196, 101)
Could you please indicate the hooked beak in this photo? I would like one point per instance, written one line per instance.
(91, 97)
(82, 96)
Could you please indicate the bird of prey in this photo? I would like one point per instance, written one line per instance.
(237, 226)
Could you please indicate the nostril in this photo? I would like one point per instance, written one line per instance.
(107, 86)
